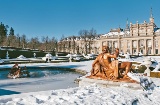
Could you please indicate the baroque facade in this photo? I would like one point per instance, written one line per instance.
(135, 38)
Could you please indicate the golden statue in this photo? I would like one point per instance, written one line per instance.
(107, 67)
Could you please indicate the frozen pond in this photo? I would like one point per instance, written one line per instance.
(41, 79)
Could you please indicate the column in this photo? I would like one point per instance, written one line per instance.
(112, 46)
(145, 45)
(101, 44)
(131, 52)
(153, 47)
(119, 44)
(137, 47)
(158, 46)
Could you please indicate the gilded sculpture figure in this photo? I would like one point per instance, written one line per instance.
(107, 67)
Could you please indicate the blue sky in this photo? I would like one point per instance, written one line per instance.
(54, 18)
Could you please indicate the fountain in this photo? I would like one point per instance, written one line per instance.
(48, 57)
(34, 54)
(70, 58)
(106, 73)
(7, 55)
(147, 64)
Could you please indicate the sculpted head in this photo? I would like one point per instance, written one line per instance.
(117, 49)
(105, 49)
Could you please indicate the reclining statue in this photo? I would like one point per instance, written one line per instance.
(104, 67)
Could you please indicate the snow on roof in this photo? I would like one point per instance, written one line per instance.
(158, 30)
(127, 32)
(116, 33)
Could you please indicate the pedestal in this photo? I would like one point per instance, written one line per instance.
(107, 83)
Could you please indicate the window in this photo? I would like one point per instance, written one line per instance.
(156, 51)
(134, 51)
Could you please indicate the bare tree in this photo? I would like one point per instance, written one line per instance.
(83, 34)
(91, 36)
(23, 41)
(52, 44)
(73, 44)
(11, 40)
(87, 39)
(18, 41)
(45, 41)
(34, 43)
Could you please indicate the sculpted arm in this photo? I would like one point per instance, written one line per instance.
(112, 56)
(115, 55)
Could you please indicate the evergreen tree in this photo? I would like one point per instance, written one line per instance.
(11, 31)
(12, 39)
(3, 32)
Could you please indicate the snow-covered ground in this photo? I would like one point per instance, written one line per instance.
(88, 95)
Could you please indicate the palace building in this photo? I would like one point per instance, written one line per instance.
(80, 45)
(136, 38)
